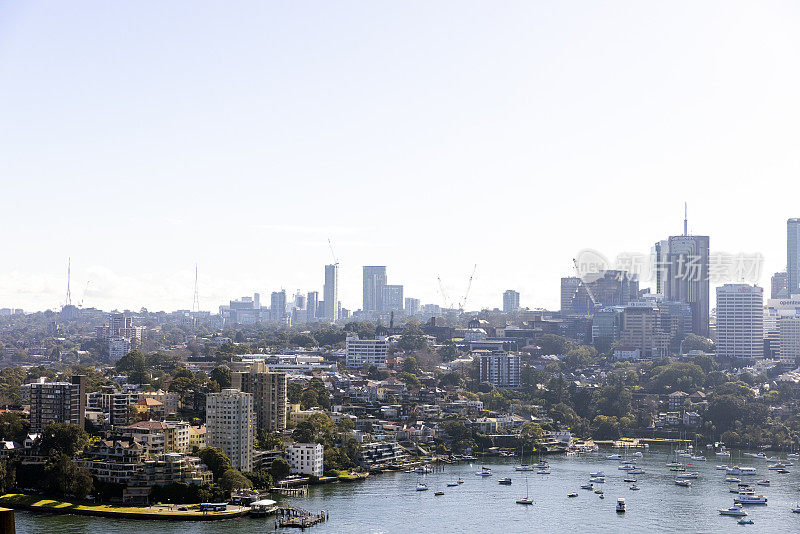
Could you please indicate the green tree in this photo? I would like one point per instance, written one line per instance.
(64, 477)
(410, 365)
(216, 460)
(13, 427)
(234, 480)
(695, 342)
(280, 469)
(222, 376)
(412, 338)
(7, 476)
(553, 344)
(410, 380)
(260, 478)
(62, 438)
(316, 429)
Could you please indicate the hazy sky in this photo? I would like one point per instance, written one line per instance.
(142, 137)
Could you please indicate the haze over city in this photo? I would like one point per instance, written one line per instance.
(425, 137)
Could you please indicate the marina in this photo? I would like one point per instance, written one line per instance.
(389, 503)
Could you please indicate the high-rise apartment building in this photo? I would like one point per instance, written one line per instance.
(331, 292)
(361, 352)
(793, 256)
(412, 306)
(510, 301)
(374, 282)
(501, 369)
(392, 298)
(740, 322)
(269, 395)
(230, 423)
(56, 402)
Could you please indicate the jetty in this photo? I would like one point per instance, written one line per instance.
(292, 517)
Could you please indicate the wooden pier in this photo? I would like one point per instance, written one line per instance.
(291, 517)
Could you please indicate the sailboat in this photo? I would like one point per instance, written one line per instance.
(523, 467)
(526, 499)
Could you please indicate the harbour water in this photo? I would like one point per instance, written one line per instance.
(388, 503)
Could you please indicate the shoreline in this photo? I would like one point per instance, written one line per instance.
(37, 504)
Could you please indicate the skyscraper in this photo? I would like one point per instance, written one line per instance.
(793, 256)
(56, 402)
(311, 306)
(682, 263)
(740, 322)
(374, 282)
(331, 292)
(569, 285)
(779, 286)
(277, 307)
(510, 301)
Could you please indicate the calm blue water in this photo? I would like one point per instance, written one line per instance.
(389, 503)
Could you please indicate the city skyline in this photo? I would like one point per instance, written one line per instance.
(148, 160)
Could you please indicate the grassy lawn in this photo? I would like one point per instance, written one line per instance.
(11, 500)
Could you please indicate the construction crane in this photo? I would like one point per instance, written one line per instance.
(444, 293)
(335, 259)
(469, 286)
(84, 293)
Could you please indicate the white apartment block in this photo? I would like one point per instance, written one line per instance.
(740, 322)
(230, 425)
(362, 352)
(501, 369)
(306, 458)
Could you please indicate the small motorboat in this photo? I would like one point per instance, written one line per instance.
(438, 493)
(722, 467)
(796, 509)
(688, 475)
(629, 480)
(614, 457)
(572, 495)
(597, 474)
(452, 484)
(599, 492)
(782, 471)
(422, 487)
(525, 500)
(543, 471)
(634, 487)
(636, 471)
(733, 479)
(588, 486)
(460, 481)
(777, 467)
(598, 480)
(681, 468)
(524, 467)
(620, 505)
(504, 481)
(683, 483)
(763, 482)
(744, 521)
(602, 496)
(736, 510)
(484, 472)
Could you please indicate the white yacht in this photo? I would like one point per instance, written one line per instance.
(524, 467)
(722, 467)
(636, 471)
(793, 456)
(637, 454)
(699, 458)
(634, 487)
(688, 475)
(588, 486)
(422, 487)
(597, 474)
(674, 464)
(613, 457)
(776, 467)
(764, 482)
(723, 454)
(598, 480)
(733, 479)
(772, 459)
(745, 498)
(484, 472)
(527, 499)
(736, 510)
(684, 483)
